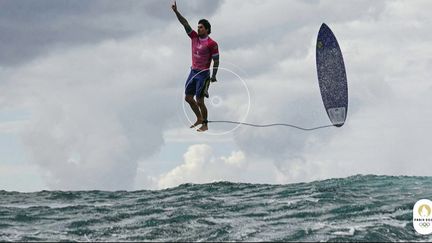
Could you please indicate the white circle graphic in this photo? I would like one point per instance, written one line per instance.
(216, 101)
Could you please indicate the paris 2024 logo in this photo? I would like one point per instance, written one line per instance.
(422, 216)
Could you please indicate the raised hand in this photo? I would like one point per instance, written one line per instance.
(174, 6)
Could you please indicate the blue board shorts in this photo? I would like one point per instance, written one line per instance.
(197, 83)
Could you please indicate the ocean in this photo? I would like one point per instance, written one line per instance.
(357, 208)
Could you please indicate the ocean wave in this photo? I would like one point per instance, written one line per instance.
(356, 208)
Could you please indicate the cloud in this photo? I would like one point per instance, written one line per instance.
(387, 73)
(15, 177)
(101, 79)
(31, 29)
(12, 127)
(92, 111)
(99, 85)
(387, 66)
(201, 165)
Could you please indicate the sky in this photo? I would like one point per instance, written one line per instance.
(91, 93)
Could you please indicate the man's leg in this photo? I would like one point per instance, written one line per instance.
(193, 104)
(203, 109)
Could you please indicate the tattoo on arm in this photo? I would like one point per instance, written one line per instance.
(184, 22)
(188, 28)
(215, 66)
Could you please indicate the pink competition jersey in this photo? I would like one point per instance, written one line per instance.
(202, 51)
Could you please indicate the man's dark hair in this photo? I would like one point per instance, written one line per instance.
(206, 25)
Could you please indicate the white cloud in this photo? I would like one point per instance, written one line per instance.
(12, 127)
(198, 167)
(237, 158)
(34, 28)
(16, 177)
(387, 64)
(385, 61)
(94, 105)
(201, 165)
(185, 135)
(98, 108)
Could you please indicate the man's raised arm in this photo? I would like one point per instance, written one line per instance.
(182, 20)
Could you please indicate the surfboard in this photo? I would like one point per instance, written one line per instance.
(332, 77)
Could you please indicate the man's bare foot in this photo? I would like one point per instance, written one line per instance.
(198, 122)
(203, 128)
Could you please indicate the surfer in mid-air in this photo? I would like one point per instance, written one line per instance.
(204, 50)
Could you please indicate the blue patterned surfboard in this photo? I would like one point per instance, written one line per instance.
(332, 76)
